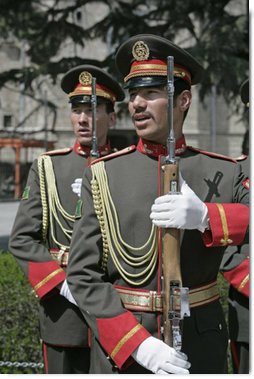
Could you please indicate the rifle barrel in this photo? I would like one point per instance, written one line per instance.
(170, 88)
(94, 149)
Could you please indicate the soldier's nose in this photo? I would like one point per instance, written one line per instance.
(139, 103)
(83, 117)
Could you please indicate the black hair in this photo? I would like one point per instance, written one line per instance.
(245, 143)
(180, 86)
(109, 106)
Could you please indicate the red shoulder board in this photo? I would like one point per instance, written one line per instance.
(126, 150)
(65, 150)
(213, 155)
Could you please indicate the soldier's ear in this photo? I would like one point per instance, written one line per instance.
(184, 100)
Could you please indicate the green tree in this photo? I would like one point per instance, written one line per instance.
(215, 31)
(19, 336)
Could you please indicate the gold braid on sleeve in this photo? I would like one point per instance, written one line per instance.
(113, 243)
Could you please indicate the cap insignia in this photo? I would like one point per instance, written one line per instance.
(85, 78)
(140, 51)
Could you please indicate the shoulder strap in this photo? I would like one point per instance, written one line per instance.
(213, 155)
(126, 150)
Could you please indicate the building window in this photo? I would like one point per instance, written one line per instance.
(7, 120)
(79, 16)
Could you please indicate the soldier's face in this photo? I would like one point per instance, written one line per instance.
(148, 109)
(81, 119)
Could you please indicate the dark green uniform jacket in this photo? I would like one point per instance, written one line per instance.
(115, 234)
(235, 267)
(41, 244)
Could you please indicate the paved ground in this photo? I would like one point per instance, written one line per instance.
(7, 214)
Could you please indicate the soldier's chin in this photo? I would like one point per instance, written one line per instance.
(85, 141)
(144, 133)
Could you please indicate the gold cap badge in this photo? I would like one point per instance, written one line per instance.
(140, 51)
(85, 78)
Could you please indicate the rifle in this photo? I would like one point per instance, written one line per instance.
(175, 297)
(94, 153)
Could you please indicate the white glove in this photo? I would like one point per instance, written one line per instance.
(76, 186)
(181, 211)
(156, 356)
(65, 291)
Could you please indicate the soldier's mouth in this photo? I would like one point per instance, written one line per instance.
(141, 119)
(141, 116)
(84, 130)
(142, 124)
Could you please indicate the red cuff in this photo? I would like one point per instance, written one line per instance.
(238, 277)
(44, 276)
(228, 224)
(120, 336)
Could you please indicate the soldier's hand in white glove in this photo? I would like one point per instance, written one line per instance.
(65, 291)
(181, 211)
(156, 356)
(76, 186)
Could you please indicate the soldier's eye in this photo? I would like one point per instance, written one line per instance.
(132, 95)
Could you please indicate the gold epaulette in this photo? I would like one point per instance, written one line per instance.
(126, 150)
(64, 150)
(213, 155)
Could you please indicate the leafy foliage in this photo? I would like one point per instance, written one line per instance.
(19, 338)
(211, 30)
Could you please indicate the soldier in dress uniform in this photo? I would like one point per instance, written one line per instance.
(114, 272)
(42, 230)
(235, 267)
